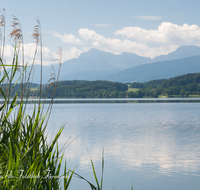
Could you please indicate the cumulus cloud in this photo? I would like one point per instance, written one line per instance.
(68, 38)
(98, 39)
(148, 17)
(149, 43)
(29, 50)
(118, 46)
(167, 33)
(90, 34)
(71, 53)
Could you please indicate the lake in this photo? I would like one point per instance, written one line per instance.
(151, 145)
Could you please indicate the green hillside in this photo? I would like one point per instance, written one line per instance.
(87, 89)
(183, 85)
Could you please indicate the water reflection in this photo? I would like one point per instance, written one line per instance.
(141, 141)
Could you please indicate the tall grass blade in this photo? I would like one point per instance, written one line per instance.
(102, 169)
(94, 173)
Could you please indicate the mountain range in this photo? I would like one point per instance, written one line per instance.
(125, 67)
(158, 70)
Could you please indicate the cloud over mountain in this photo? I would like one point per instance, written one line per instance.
(149, 43)
(167, 33)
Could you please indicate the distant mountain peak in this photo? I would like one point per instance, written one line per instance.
(96, 64)
(93, 52)
(187, 47)
(187, 50)
(181, 52)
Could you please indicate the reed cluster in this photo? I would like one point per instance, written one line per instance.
(27, 159)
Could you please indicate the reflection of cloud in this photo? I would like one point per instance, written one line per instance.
(130, 154)
(133, 138)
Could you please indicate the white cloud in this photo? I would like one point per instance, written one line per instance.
(71, 53)
(149, 43)
(103, 25)
(98, 39)
(29, 50)
(48, 57)
(118, 46)
(90, 35)
(167, 33)
(68, 38)
(8, 51)
(148, 17)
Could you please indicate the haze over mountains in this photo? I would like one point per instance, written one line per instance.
(158, 70)
(95, 64)
(181, 52)
(126, 67)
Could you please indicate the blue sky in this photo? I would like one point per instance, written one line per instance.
(147, 28)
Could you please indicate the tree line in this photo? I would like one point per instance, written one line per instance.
(87, 89)
(73, 89)
(183, 85)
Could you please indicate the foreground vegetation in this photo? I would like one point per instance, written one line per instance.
(27, 159)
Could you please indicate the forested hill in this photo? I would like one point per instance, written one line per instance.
(182, 80)
(73, 89)
(87, 89)
(183, 85)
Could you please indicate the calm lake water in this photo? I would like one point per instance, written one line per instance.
(154, 146)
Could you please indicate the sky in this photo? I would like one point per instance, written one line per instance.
(147, 28)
